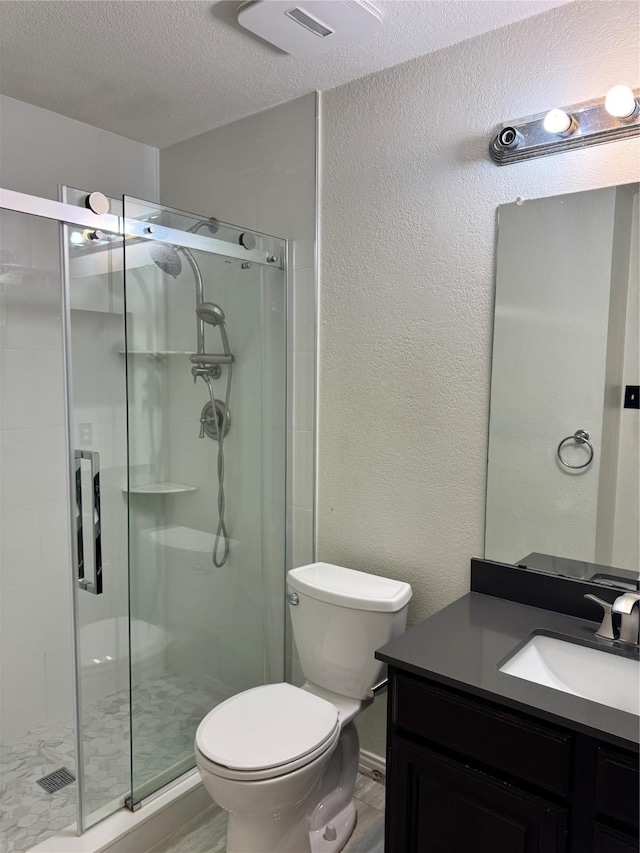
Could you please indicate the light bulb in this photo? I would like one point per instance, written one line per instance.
(557, 121)
(76, 238)
(620, 102)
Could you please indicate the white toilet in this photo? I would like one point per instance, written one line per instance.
(283, 760)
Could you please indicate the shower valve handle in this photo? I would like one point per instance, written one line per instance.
(209, 371)
(198, 370)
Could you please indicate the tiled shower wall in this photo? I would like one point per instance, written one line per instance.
(259, 172)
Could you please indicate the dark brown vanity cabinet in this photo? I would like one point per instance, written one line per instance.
(469, 776)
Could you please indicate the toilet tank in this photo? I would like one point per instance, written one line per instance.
(341, 617)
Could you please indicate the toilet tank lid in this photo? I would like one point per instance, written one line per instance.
(349, 588)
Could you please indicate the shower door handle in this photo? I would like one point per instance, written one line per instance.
(93, 457)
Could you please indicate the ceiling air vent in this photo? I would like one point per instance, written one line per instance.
(308, 21)
(309, 28)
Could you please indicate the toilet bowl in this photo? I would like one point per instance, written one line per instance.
(260, 755)
(283, 760)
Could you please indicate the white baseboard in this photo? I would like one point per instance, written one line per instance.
(373, 765)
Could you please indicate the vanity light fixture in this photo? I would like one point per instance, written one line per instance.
(563, 129)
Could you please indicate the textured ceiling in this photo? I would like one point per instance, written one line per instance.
(161, 71)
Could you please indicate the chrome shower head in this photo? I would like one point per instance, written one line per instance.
(210, 313)
(166, 258)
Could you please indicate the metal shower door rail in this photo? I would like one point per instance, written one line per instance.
(61, 212)
(85, 218)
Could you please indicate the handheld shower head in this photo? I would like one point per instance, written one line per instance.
(166, 258)
(213, 314)
(210, 313)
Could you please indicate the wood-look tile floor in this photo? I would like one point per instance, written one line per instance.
(206, 833)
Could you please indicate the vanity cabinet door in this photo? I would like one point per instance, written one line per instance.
(607, 840)
(618, 791)
(442, 805)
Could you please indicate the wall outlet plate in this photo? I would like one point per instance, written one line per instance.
(632, 397)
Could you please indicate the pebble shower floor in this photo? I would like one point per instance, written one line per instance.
(170, 710)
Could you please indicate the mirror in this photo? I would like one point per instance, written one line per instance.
(563, 465)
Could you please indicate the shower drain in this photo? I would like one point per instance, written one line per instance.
(52, 782)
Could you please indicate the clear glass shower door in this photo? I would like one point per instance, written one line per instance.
(143, 559)
(64, 666)
(96, 376)
(37, 730)
(207, 524)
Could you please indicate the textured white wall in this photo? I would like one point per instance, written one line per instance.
(409, 197)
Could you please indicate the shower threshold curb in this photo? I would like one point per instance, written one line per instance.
(129, 832)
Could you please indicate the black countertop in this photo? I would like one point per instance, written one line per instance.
(462, 646)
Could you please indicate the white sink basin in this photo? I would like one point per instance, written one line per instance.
(580, 670)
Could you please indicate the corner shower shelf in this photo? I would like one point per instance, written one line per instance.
(161, 489)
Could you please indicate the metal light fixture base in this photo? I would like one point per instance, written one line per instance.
(591, 124)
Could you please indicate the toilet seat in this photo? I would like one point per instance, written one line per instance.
(207, 766)
(266, 732)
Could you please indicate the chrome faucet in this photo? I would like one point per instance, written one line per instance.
(627, 606)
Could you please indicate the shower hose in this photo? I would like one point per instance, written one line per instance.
(221, 532)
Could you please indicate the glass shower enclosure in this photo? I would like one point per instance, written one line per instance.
(142, 464)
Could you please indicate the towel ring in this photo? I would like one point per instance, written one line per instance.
(581, 436)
